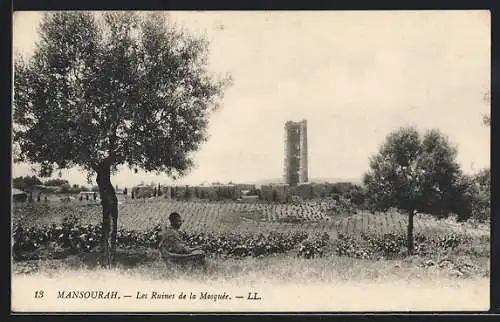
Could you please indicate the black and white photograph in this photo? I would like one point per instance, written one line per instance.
(250, 161)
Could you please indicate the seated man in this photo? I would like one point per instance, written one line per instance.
(173, 249)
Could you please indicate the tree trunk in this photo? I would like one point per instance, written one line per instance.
(409, 241)
(109, 204)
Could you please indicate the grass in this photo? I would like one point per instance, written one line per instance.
(285, 284)
(276, 268)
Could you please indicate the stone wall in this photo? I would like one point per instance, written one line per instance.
(270, 192)
(215, 192)
(274, 192)
(143, 191)
(302, 190)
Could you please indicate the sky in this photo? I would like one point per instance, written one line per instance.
(355, 76)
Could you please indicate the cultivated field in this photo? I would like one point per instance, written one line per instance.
(140, 215)
(442, 278)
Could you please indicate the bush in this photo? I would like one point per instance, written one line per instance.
(75, 238)
(314, 247)
(71, 237)
(390, 246)
(481, 196)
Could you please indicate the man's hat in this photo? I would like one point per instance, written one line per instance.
(173, 215)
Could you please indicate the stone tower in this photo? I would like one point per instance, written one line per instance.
(296, 168)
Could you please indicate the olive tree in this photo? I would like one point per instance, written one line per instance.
(414, 174)
(111, 89)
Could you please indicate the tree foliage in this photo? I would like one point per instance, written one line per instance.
(477, 196)
(348, 190)
(133, 88)
(26, 182)
(66, 188)
(111, 89)
(414, 173)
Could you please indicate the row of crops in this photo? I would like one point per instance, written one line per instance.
(393, 222)
(197, 215)
(70, 238)
(232, 216)
(40, 228)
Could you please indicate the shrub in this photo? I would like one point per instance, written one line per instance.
(314, 247)
(71, 238)
(75, 238)
(389, 246)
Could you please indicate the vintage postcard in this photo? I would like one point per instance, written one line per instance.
(263, 161)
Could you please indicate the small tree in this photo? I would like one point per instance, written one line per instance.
(108, 89)
(408, 172)
(65, 188)
(475, 197)
(26, 183)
